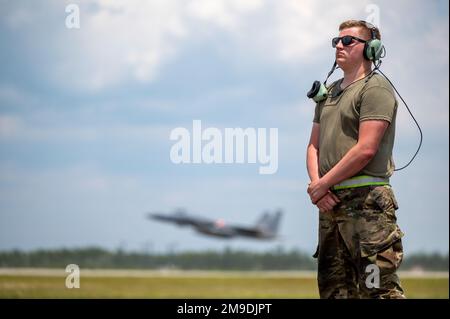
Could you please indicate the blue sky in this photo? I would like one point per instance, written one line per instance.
(86, 114)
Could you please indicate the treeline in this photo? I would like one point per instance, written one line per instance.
(204, 260)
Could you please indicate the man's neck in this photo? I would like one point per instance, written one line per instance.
(355, 74)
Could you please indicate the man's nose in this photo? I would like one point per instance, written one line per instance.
(339, 46)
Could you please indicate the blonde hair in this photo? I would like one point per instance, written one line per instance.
(361, 24)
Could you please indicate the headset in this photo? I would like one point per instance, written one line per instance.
(374, 51)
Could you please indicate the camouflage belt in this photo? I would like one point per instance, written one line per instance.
(360, 181)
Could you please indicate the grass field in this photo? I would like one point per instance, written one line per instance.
(42, 283)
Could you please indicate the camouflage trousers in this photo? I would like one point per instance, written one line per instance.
(360, 247)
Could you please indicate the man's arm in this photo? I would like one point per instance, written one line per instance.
(370, 134)
(312, 164)
(312, 153)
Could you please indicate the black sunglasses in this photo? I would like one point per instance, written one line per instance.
(346, 40)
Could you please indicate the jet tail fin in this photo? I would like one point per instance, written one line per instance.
(270, 222)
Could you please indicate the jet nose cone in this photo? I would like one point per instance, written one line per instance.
(152, 215)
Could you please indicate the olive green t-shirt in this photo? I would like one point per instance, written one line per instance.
(370, 98)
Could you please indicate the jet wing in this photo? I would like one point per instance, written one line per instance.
(247, 231)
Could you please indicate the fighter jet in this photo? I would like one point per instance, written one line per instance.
(265, 228)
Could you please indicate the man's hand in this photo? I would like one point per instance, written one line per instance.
(317, 190)
(327, 202)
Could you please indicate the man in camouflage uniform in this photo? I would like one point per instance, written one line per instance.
(349, 161)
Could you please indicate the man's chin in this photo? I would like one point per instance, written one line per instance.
(341, 62)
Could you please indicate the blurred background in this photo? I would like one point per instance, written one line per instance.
(86, 114)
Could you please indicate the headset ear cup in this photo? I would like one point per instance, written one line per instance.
(318, 92)
(373, 50)
(322, 93)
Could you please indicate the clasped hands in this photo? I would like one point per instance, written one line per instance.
(321, 196)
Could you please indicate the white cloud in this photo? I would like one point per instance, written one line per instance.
(133, 40)
(122, 40)
(303, 27)
(417, 64)
(227, 14)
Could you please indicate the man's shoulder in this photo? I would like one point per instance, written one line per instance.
(378, 81)
(333, 84)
